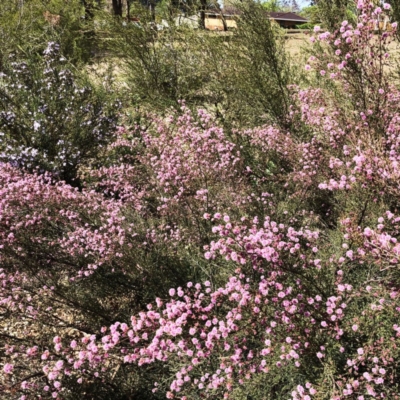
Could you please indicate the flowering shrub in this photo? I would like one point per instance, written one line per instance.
(294, 236)
(48, 120)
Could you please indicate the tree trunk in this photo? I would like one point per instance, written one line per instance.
(117, 7)
(152, 5)
(203, 7)
(128, 9)
(222, 17)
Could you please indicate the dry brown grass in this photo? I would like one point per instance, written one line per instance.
(296, 42)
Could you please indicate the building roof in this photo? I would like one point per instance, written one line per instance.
(231, 11)
(277, 16)
(286, 16)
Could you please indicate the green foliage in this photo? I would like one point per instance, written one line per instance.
(307, 26)
(281, 6)
(259, 74)
(395, 13)
(20, 26)
(241, 76)
(31, 24)
(332, 12)
(162, 66)
(311, 13)
(272, 5)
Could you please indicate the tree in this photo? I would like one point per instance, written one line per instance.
(272, 5)
(333, 12)
(395, 12)
(311, 13)
(291, 5)
(281, 5)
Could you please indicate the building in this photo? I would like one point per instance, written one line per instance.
(287, 20)
(382, 23)
(213, 21)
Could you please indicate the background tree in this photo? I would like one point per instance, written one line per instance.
(312, 13)
(333, 12)
(291, 5)
(281, 5)
(30, 28)
(395, 13)
(273, 5)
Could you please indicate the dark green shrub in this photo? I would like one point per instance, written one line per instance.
(49, 117)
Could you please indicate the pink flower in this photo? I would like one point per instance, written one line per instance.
(371, 391)
(349, 254)
(368, 232)
(52, 375)
(8, 368)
